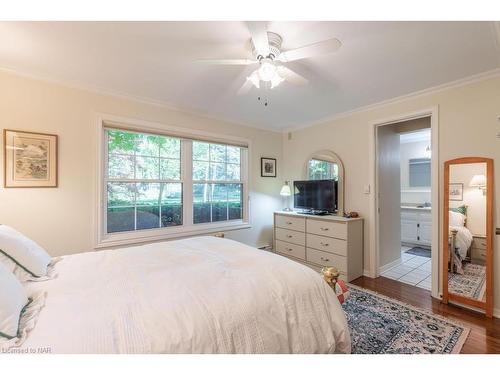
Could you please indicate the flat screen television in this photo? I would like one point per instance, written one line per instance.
(315, 196)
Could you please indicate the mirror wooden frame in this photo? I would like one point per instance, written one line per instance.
(487, 305)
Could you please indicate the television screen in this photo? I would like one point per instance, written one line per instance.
(318, 195)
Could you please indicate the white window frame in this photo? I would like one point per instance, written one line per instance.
(104, 239)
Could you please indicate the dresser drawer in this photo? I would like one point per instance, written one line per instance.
(290, 249)
(478, 254)
(479, 243)
(326, 228)
(326, 259)
(328, 244)
(293, 223)
(292, 236)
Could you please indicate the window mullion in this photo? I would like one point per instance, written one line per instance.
(187, 181)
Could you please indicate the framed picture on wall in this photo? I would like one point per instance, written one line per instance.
(456, 192)
(267, 167)
(30, 159)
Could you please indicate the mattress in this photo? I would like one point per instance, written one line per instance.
(197, 295)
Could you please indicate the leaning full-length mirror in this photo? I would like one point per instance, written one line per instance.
(468, 236)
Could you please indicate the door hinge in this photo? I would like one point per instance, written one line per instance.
(418, 225)
(418, 238)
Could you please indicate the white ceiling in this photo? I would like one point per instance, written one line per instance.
(377, 61)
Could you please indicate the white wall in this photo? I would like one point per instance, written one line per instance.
(473, 197)
(413, 195)
(468, 122)
(60, 219)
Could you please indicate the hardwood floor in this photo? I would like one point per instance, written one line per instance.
(484, 336)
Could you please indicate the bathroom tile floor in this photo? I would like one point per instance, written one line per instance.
(413, 270)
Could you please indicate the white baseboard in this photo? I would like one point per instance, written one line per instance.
(384, 268)
(496, 313)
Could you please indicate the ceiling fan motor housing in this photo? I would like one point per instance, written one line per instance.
(275, 41)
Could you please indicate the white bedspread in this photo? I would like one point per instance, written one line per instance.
(199, 295)
(463, 240)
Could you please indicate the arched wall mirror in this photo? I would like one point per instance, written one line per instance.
(326, 165)
(468, 233)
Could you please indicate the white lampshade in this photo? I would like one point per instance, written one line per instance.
(285, 190)
(479, 180)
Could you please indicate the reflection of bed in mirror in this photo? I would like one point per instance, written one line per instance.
(467, 275)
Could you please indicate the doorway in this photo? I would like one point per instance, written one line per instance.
(405, 185)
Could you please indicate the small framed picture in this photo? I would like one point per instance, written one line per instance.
(456, 192)
(30, 159)
(267, 167)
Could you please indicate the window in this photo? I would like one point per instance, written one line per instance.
(144, 187)
(217, 186)
(322, 170)
(420, 172)
(156, 185)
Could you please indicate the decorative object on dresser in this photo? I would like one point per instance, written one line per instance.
(30, 159)
(321, 241)
(267, 167)
(416, 226)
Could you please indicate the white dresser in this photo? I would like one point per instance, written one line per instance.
(319, 241)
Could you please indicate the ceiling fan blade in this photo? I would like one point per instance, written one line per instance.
(315, 49)
(245, 88)
(258, 30)
(290, 76)
(226, 61)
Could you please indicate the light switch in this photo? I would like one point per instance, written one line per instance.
(367, 189)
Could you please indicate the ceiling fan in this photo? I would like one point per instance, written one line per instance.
(266, 49)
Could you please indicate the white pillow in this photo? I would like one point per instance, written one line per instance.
(456, 219)
(13, 299)
(18, 251)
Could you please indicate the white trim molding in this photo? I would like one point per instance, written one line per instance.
(374, 257)
(402, 98)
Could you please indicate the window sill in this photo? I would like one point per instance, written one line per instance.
(141, 237)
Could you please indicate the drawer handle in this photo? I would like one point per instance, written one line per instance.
(289, 249)
(324, 244)
(325, 259)
(289, 223)
(323, 229)
(289, 236)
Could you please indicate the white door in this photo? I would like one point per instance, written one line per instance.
(389, 195)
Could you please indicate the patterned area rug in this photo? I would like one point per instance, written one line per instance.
(471, 284)
(382, 325)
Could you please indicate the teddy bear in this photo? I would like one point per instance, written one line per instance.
(330, 275)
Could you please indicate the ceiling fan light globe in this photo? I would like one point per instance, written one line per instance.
(267, 71)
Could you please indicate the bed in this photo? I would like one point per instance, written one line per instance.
(197, 295)
(460, 239)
